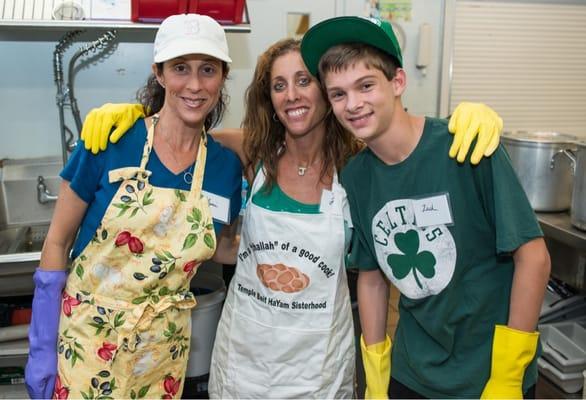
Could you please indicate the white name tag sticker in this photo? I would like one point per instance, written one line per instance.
(435, 210)
(219, 206)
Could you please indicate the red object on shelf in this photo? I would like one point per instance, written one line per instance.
(226, 12)
(21, 316)
(157, 10)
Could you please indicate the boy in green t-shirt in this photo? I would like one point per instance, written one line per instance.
(461, 242)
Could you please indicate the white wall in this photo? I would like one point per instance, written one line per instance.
(421, 96)
(28, 112)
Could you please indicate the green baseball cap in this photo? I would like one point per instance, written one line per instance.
(331, 32)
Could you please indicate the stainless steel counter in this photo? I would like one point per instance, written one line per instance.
(567, 248)
(557, 226)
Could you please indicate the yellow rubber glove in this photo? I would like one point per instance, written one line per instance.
(512, 351)
(469, 120)
(376, 359)
(100, 121)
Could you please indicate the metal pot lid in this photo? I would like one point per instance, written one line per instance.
(540, 137)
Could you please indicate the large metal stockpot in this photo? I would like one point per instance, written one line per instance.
(546, 177)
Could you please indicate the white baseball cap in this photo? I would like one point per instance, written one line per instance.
(184, 34)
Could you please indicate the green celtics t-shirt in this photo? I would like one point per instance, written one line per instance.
(443, 233)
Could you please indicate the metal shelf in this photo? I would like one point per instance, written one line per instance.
(558, 226)
(567, 248)
(62, 25)
(14, 348)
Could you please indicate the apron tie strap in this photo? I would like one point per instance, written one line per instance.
(140, 317)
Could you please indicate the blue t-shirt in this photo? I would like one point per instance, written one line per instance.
(88, 177)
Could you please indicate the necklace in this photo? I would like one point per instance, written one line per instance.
(302, 169)
(188, 175)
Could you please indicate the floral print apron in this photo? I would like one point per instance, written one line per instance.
(126, 322)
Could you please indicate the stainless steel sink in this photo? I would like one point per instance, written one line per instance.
(20, 252)
(24, 218)
(19, 192)
(34, 237)
(23, 239)
(10, 239)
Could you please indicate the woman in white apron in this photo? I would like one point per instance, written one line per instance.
(286, 329)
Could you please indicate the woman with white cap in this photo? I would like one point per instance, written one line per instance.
(119, 325)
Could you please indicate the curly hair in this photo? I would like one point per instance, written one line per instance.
(264, 135)
(152, 98)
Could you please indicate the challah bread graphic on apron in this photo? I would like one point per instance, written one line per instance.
(280, 277)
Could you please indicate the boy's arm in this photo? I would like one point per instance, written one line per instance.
(532, 268)
(514, 346)
(373, 298)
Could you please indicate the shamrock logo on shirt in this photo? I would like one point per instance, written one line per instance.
(412, 259)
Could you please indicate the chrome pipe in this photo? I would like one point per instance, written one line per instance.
(44, 196)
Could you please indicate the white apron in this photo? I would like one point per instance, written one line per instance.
(286, 329)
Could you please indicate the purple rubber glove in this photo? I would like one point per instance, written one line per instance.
(41, 367)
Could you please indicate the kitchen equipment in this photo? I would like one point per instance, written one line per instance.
(210, 291)
(564, 353)
(559, 310)
(68, 10)
(570, 382)
(11, 376)
(19, 203)
(545, 176)
(578, 209)
(564, 345)
(65, 93)
(224, 11)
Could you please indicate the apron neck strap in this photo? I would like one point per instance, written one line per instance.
(148, 146)
(200, 163)
(335, 178)
(259, 180)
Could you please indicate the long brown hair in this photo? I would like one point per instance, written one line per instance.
(152, 98)
(264, 134)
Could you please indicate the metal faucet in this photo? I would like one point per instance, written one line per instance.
(44, 196)
(65, 89)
